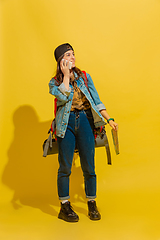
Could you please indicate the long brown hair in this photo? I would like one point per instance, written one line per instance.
(59, 75)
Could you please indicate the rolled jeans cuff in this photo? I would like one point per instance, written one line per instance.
(64, 198)
(91, 197)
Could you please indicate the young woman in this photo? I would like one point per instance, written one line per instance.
(79, 111)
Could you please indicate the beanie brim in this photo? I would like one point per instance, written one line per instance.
(61, 49)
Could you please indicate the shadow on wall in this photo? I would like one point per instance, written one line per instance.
(32, 177)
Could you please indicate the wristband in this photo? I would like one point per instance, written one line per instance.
(110, 119)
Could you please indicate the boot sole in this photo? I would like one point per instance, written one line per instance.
(94, 219)
(61, 216)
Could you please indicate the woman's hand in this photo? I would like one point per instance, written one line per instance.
(114, 125)
(66, 72)
(65, 68)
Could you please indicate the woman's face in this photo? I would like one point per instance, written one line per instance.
(69, 56)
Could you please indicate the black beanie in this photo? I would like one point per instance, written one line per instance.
(61, 49)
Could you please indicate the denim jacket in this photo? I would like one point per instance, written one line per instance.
(64, 102)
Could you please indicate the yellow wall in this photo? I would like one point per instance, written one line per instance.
(118, 43)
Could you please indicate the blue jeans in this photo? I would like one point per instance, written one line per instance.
(79, 134)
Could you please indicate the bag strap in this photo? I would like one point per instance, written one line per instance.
(55, 106)
(107, 149)
(48, 144)
(86, 81)
(101, 132)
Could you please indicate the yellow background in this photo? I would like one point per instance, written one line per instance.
(118, 43)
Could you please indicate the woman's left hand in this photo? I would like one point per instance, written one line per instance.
(114, 125)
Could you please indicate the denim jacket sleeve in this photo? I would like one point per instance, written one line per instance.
(94, 94)
(60, 92)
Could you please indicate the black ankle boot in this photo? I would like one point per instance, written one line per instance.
(66, 213)
(93, 212)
